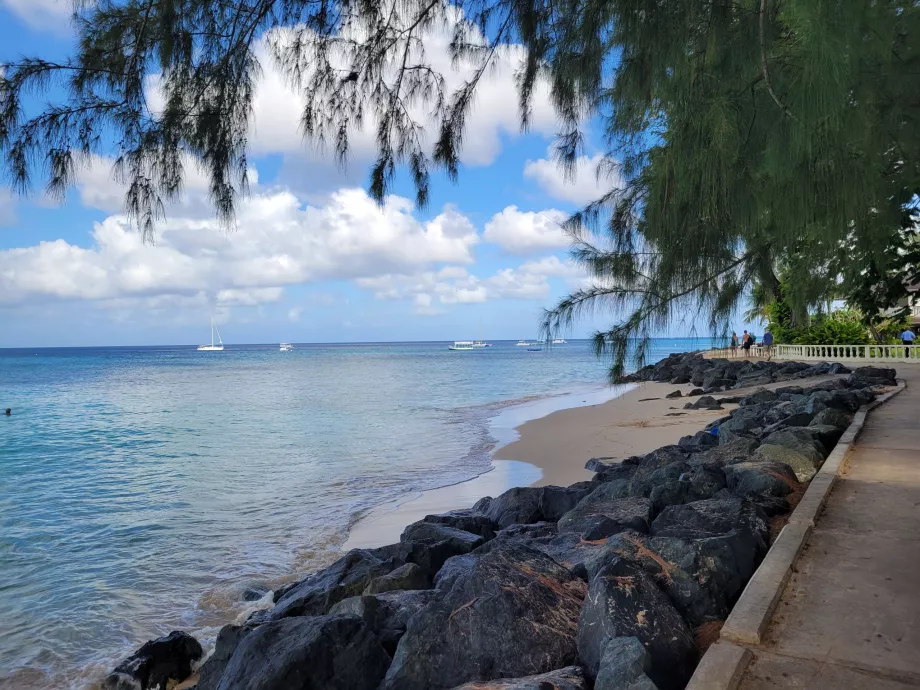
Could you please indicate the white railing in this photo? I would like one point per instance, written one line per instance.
(737, 353)
(844, 353)
(915, 311)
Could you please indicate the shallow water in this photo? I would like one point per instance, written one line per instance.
(143, 489)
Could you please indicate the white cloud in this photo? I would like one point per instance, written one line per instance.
(529, 281)
(294, 314)
(584, 187)
(526, 232)
(277, 242)
(47, 15)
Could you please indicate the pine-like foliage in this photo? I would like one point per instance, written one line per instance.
(752, 137)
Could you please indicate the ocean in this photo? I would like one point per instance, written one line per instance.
(144, 489)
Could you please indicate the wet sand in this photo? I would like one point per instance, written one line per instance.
(552, 448)
(540, 444)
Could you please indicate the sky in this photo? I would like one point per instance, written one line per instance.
(312, 257)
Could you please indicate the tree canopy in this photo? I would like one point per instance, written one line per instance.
(750, 137)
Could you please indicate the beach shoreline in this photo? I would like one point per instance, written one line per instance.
(551, 449)
(546, 442)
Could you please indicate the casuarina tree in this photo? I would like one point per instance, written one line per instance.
(741, 137)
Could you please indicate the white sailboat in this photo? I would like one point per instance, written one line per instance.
(212, 347)
(286, 347)
(481, 342)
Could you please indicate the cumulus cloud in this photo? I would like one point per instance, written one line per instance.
(582, 188)
(454, 285)
(278, 242)
(526, 232)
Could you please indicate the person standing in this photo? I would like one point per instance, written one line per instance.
(734, 344)
(746, 342)
(907, 337)
(768, 342)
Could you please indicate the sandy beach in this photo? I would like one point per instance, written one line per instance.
(552, 450)
(549, 450)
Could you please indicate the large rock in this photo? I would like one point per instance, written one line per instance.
(769, 478)
(408, 576)
(228, 639)
(569, 678)
(624, 663)
(307, 653)
(518, 506)
(598, 515)
(556, 501)
(347, 577)
(872, 376)
(156, 663)
(507, 611)
(733, 451)
(569, 549)
(430, 544)
(802, 463)
(832, 417)
(702, 577)
(624, 601)
(711, 518)
(706, 402)
(386, 614)
(466, 520)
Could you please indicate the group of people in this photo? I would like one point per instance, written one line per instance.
(749, 340)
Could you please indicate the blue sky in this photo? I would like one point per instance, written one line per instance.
(312, 258)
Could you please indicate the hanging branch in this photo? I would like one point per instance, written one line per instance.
(763, 63)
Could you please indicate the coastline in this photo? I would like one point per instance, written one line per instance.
(384, 523)
(546, 442)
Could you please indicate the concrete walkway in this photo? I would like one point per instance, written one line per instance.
(850, 615)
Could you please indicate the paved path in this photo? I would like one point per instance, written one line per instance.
(850, 616)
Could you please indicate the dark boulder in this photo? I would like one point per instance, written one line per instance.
(518, 506)
(695, 392)
(156, 663)
(387, 613)
(408, 576)
(765, 477)
(255, 592)
(711, 518)
(624, 601)
(569, 678)
(832, 417)
(506, 612)
(619, 471)
(228, 639)
(799, 460)
(556, 501)
(674, 394)
(700, 441)
(624, 663)
(308, 653)
(706, 402)
(520, 533)
(598, 515)
(732, 451)
(431, 544)
(864, 377)
(347, 577)
(702, 577)
(759, 397)
(569, 549)
(466, 520)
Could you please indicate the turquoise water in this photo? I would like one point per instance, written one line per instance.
(143, 489)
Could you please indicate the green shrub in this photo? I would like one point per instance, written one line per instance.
(842, 327)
